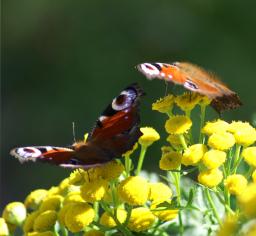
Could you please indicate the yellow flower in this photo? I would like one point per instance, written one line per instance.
(150, 135)
(221, 141)
(214, 158)
(29, 222)
(165, 215)
(65, 187)
(63, 211)
(76, 177)
(51, 203)
(164, 105)
(235, 184)
(249, 155)
(129, 152)
(210, 178)
(237, 126)
(73, 197)
(134, 190)
(175, 141)
(15, 213)
(93, 232)
(108, 221)
(94, 191)
(141, 219)
(205, 101)
(166, 149)
(170, 161)
(34, 199)
(218, 126)
(254, 176)
(247, 200)
(187, 101)
(110, 170)
(45, 221)
(78, 216)
(229, 226)
(46, 233)
(159, 192)
(245, 137)
(252, 230)
(53, 191)
(193, 154)
(4, 231)
(178, 124)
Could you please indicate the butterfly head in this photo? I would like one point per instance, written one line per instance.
(150, 70)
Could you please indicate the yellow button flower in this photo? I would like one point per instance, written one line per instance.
(249, 155)
(221, 141)
(51, 203)
(178, 124)
(53, 191)
(254, 176)
(252, 230)
(204, 101)
(210, 178)
(235, 184)
(237, 126)
(229, 226)
(150, 135)
(134, 190)
(76, 177)
(34, 199)
(247, 200)
(15, 213)
(193, 154)
(29, 222)
(159, 192)
(187, 101)
(78, 216)
(110, 170)
(164, 105)
(46, 233)
(108, 221)
(73, 197)
(218, 126)
(165, 215)
(4, 231)
(65, 187)
(170, 161)
(94, 191)
(214, 158)
(63, 211)
(245, 137)
(45, 221)
(94, 233)
(141, 219)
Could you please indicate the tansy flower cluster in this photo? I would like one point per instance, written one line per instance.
(208, 169)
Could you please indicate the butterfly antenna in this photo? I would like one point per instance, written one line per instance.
(74, 132)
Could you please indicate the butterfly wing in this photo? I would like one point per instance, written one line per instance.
(194, 79)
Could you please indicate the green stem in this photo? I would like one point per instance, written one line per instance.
(141, 159)
(202, 116)
(237, 158)
(64, 231)
(215, 212)
(183, 141)
(127, 165)
(96, 210)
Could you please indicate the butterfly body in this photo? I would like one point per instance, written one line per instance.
(115, 132)
(195, 79)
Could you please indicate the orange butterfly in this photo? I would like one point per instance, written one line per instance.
(194, 79)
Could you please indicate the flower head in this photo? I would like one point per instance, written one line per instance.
(34, 199)
(165, 215)
(193, 154)
(187, 101)
(4, 231)
(247, 200)
(51, 203)
(164, 105)
(210, 178)
(108, 221)
(204, 101)
(129, 152)
(63, 211)
(214, 158)
(29, 222)
(94, 191)
(76, 177)
(170, 161)
(249, 155)
(45, 233)
(110, 170)
(141, 219)
(235, 184)
(45, 221)
(178, 124)
(78, 216)
(159, 192)
(245, 137)
(237, 126)
(15, 213)
(73, 197)
(134, 190)
(229, 227)
(94, 232)
(221, 141)
(149, 136)
(218, 126)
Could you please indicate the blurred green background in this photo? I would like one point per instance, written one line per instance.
(64, 61)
